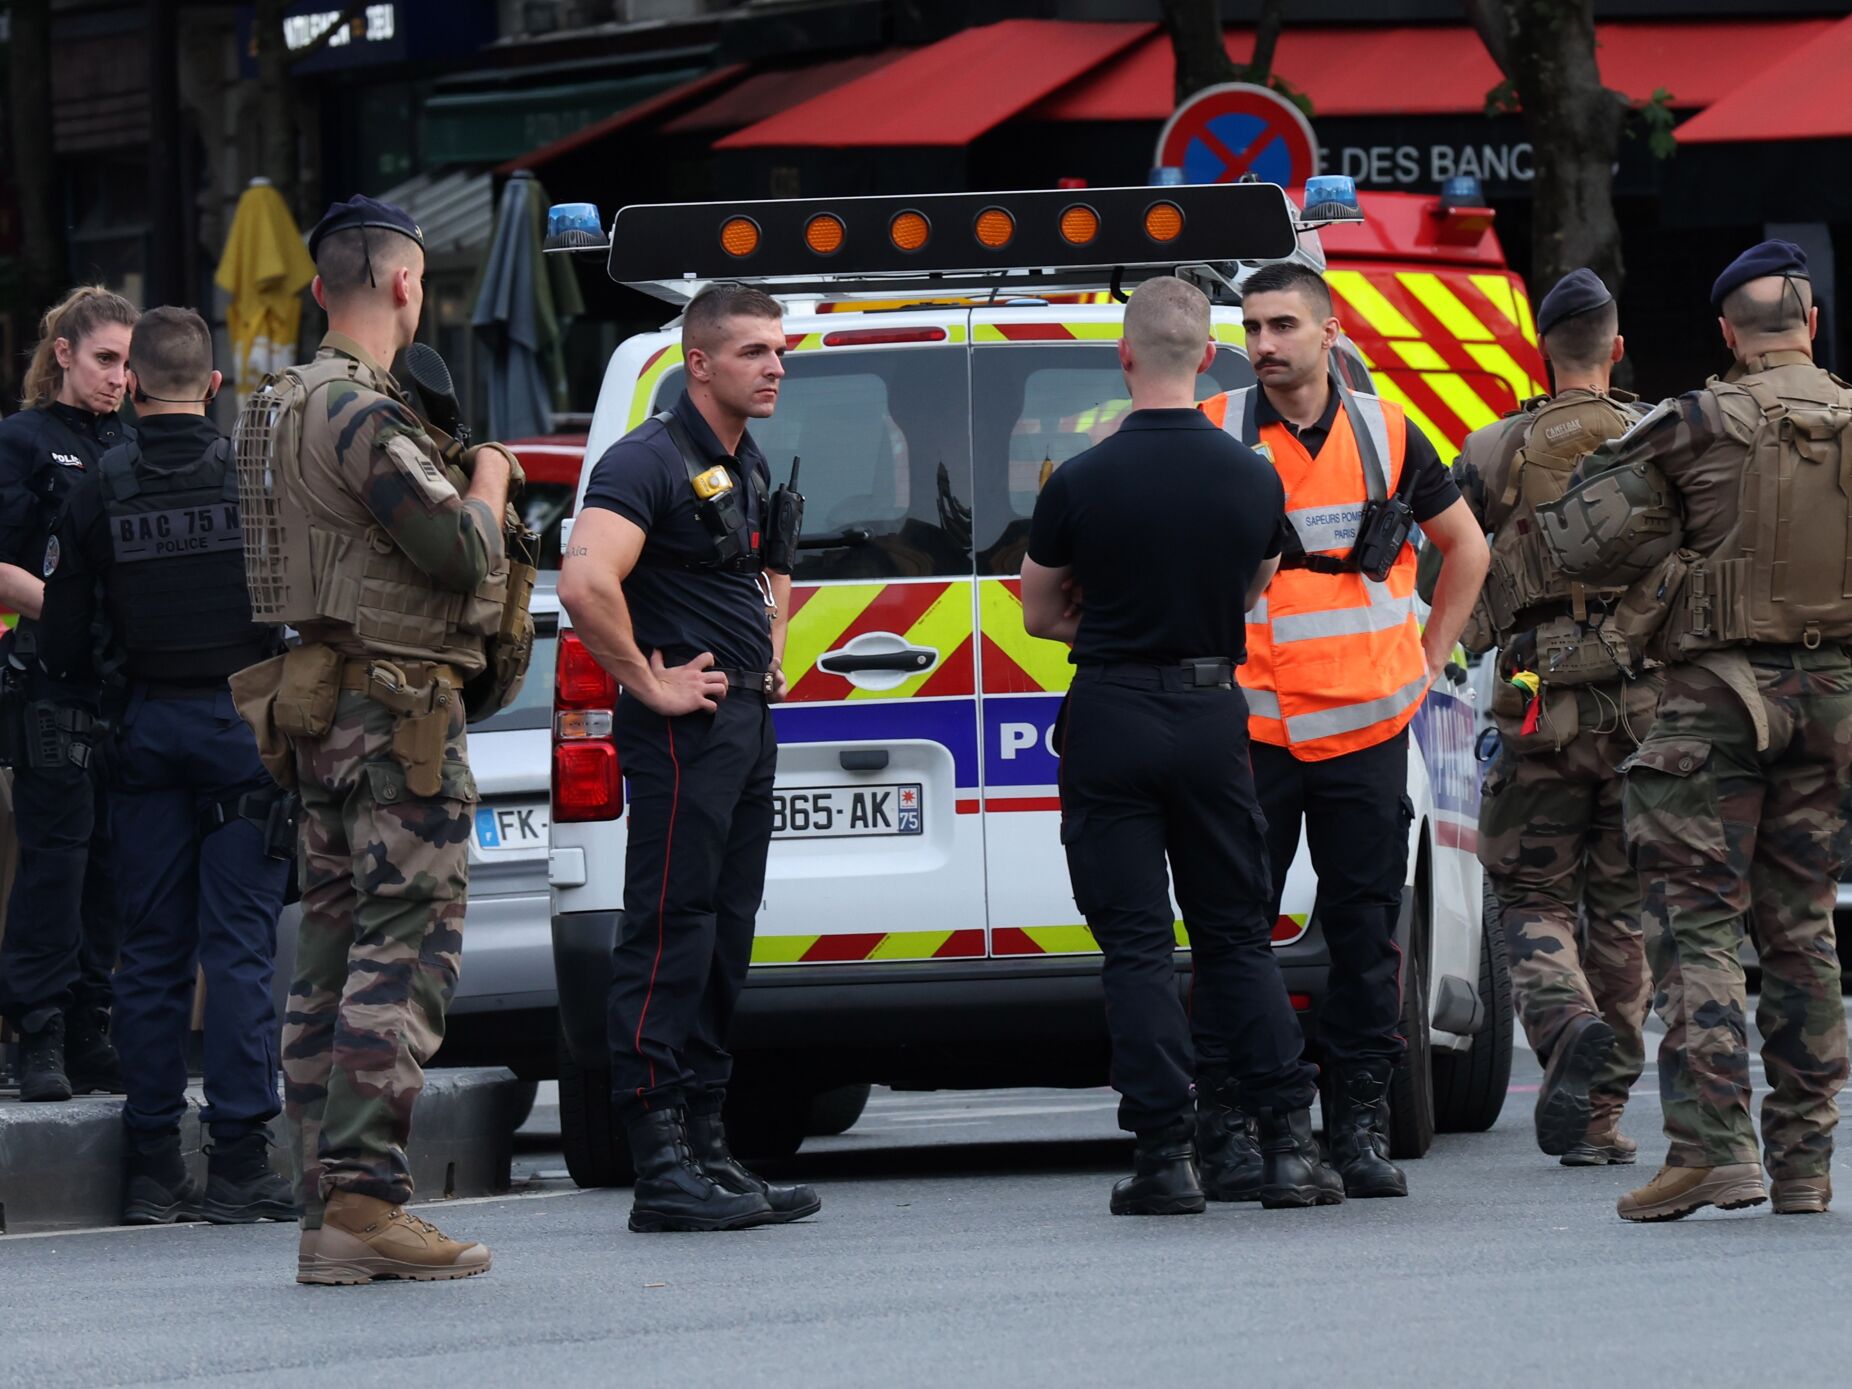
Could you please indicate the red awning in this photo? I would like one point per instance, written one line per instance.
(950, 92)
(765, 94)
(623, 120)
(1801, 96)
(1444, 69)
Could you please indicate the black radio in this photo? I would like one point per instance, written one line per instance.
(784, 525)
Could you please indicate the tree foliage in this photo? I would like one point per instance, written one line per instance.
(1546, 51)
(1195, 29)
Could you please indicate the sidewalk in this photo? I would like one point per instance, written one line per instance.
(61, 1164)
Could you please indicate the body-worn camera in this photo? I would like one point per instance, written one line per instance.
(723, 514)
(1382, 531)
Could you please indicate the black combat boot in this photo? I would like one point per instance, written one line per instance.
(1227, 1142)
(1163, 1180)
(1358, 1132)
(158, 1190)
(672, 1193)
(89, 1056)
(707, 1136)
(41, 1056)
(241, 1186)
(1292, 1172)
(1582, 1048)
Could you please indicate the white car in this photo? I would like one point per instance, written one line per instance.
(918, 927)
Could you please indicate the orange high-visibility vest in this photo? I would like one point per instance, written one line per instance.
(1334, 660)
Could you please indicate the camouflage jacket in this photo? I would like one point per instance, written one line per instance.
(373, 469)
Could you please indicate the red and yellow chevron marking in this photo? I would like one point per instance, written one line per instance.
(868, 945)
(1012, 661)
(1045, 332)
(933, 613)
(1454, 350)
(1078, 940)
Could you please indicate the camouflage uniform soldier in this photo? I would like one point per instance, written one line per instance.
(1567, 715)
(395, 574)
(1734, 803)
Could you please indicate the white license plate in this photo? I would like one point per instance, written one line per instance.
(848, 812)
(508, 827)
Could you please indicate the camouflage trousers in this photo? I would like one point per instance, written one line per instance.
(385, 877)
(1728, 839)
(1551, 839)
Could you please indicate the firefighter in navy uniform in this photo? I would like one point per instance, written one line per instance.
(155, 559)
(61, 926)
(1144, 553)
(677, 579)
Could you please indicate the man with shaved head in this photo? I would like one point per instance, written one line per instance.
(1145, 553)
(1733, 805)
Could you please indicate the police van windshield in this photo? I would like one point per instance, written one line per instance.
(888, 438)
(1035, 406)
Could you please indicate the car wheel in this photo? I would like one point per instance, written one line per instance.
(597, 1153)
(835, 1111)
(1411, 1086)
(1470, 1086)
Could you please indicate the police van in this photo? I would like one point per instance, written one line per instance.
(918, 930)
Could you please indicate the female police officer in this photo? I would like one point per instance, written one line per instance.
(61, 933)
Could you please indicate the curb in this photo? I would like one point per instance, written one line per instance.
(61, 1164)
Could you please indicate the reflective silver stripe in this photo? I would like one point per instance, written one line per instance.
(1263, 703)
(1258, 613)
(1383, 613)
(1327, 527)
(1233, 411)
(1371, 408)
(1348, 718)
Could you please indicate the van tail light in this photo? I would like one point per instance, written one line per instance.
(588, 783)
(580, 682)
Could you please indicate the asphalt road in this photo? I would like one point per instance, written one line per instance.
(965, 1239)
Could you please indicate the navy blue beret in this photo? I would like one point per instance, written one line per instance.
(1759, 261)
(362, 211)
(1577, 292)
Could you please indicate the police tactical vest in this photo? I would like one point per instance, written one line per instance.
(175, 594)
(1783, 575)
(1524, 589)
(306, 562)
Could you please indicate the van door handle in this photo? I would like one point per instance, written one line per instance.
(878, 660)
(912, 660)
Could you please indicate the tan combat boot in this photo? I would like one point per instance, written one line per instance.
(1802, 1195)
(1678, 1191)
(1604, 1146)
(363, 1238)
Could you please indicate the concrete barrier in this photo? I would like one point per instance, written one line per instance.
(61, 1164)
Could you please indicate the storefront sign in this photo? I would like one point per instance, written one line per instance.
(1426, 166)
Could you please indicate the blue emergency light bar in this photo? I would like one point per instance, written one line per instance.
(574, 227)
(934, 240)
(1332, 198)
